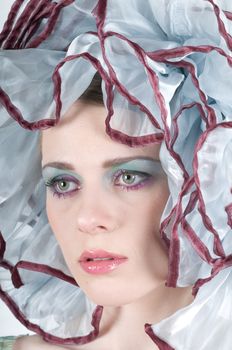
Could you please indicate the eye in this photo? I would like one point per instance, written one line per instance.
(63, 185)
(131, 179)
(128, 178)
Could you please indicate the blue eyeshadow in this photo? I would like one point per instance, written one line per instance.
(152, 167)
(50, 172)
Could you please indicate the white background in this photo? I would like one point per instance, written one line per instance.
(9, 325)
(4, 9)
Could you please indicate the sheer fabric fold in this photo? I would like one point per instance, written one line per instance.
(166, 71)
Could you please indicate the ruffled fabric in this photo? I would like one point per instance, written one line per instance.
(166, 71)
(204, 324)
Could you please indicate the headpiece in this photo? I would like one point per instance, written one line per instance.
(166, 70)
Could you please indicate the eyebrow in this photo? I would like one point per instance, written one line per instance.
(107, 164)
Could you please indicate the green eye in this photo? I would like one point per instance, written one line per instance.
(128, 178)
(63, 185)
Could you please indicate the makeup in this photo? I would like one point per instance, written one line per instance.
(144, 165)
(49, 172)
(134, 174)
(127, 175)
(61, 183)
(97, 262)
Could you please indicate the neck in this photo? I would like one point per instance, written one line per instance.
(123, 323)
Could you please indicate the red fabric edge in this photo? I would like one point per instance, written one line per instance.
(96, 317)
(162, 345)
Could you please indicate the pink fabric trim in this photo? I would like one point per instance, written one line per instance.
(168, 54)
(228, 210)
(221, 25)
(57, 79)
(11, 40)
(228, 15)
(96, 317)
(211, 120)
(219, 265)
(162, 345)
(223, 261)
(17, 116)
(10, 20)
(16, 280)
(176, 132)
(31, 267)
(42, 11)
(100, 13)
(218, 248)
(51, 23)
(124, 92)
(2, 246)
(19, 37)
(198, 245)
(44, 269)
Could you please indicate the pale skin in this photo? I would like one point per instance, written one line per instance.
(125, 220)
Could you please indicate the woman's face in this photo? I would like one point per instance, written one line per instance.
(104, 203)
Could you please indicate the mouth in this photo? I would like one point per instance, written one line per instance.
(99, 255)
(100, 261)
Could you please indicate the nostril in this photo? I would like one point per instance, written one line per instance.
(102, 227)
(95, 223)
(92, 228)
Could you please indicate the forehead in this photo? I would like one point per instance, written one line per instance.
(82, 134)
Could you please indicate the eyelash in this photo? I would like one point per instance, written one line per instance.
(51, 183)
(146, 177)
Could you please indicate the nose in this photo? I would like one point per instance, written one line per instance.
(96, 216)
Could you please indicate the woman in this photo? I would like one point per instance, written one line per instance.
(104, 199)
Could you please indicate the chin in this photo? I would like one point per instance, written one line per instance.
(113, 294)
(109, 299)
(105, 294)
(115, 290)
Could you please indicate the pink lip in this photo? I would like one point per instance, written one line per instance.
(101, 265)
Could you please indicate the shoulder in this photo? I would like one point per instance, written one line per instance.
(32, 342)
(36, 342)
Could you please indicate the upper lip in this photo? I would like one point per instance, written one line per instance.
(89, 255)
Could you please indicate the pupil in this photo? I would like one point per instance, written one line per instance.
(62, 185)
(128, 178)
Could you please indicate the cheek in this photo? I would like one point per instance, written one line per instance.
(150, 205)
(62, 229)
(60, 223)
(150, 248)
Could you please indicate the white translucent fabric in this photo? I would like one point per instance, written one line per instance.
(185, 330)
(34, 72)
(166, 70)
(57, 308)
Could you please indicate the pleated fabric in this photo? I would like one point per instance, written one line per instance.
(166, 78)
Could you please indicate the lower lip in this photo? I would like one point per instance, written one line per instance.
(99, 267)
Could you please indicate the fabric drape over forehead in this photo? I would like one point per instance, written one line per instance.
(166, 69)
